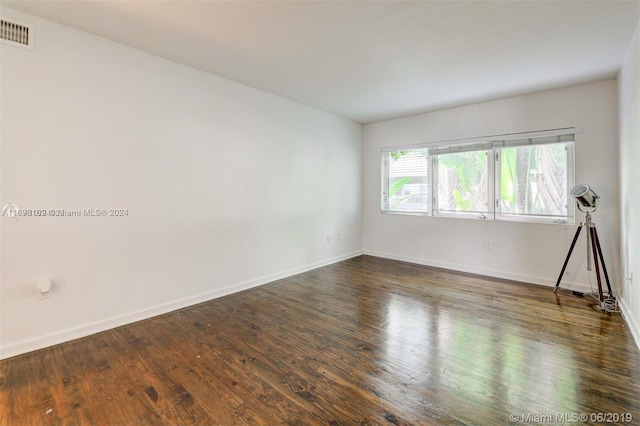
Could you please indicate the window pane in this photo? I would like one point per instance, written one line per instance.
(533, 180)
(463, 182)
(408, 181)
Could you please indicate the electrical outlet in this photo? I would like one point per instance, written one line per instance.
(489, 244)
(328, 238)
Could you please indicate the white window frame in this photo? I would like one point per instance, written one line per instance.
(570, 218)
(493, 145)
(385, 176)
(462, 215)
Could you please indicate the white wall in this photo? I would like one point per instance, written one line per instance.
(629, 93)
(526, 252)
(227, 187)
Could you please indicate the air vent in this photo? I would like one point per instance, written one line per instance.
(16, 34)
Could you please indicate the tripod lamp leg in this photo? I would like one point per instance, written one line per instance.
(604, 268)
(595, 260)
(566, 261)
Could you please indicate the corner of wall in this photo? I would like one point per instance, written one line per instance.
(629, 187)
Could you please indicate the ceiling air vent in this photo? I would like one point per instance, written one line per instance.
(16, 34)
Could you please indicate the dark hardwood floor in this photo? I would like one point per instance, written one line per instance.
(364, 341)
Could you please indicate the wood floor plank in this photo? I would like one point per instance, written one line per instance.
(366, 341)
(192, 373)
(131, 404)
(153, 372)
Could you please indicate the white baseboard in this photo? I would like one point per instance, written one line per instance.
(41, 342)
(631, 321)
(583, 288)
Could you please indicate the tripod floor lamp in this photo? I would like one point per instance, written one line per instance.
(587, 202)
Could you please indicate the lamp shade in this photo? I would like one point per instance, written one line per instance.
(585, 195)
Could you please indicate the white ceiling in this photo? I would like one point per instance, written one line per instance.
(371, 61)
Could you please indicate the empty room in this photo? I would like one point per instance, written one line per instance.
(319, 212)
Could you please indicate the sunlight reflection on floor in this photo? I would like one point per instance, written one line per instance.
(462, 354)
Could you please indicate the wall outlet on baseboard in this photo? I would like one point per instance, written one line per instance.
(489, 244)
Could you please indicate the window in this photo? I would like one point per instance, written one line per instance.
(463, 183)
(520, 177)
(405, 181)
(533, 181)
